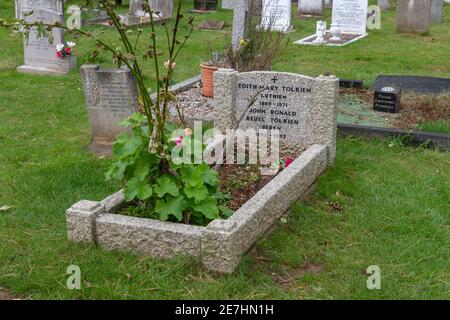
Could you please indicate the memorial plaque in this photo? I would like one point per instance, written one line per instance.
(350, 15)
(301, 108)
(276, 15)
(387, 100)
(413, 15)
(111, 96)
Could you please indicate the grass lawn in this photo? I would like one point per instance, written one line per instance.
(381, 204)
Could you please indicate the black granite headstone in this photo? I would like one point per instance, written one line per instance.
(387, 99)
(413, 84)
(345, 83)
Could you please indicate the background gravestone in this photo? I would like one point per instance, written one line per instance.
(302, 108)
(384, 4)
(111, 96)
(276, 15)
(205, 5)
(311, 8)
(350, 15)
(40, 54)
(413, 15)
(437, 7)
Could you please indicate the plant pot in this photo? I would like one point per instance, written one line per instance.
(207, 77)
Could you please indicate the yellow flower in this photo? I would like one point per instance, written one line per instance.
(243, 42)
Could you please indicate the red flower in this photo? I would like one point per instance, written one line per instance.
(288, 161)
(59, 54)
(68, 51)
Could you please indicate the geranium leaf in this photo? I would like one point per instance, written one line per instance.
(137, 188)
(198, 193)
(208, 208)
(173, 206)
(166, 185)
(191, 176)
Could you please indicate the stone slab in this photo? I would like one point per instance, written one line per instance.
(350, 15)
(413, 15)
(413, 84)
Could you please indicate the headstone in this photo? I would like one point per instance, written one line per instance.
(205, 5)
(413, 15)
(414, 84)
(437, 7)
(111, 96)
(137, 16)
(302, 108)
(384, 4)
(212, 25)
(312, 8)
(40, 55)
(350, 15)
(328, 3)
(276, 15)
(387, 99)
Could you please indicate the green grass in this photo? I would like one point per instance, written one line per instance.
(437, 126)
(393, 201)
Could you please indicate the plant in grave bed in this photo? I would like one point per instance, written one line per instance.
(154, 184)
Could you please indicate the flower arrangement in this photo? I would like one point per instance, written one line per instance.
(64, 49)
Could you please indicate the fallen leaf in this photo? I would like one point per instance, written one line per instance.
(5, 208)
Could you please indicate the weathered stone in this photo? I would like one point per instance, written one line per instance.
(81, 219)
(148, 236)
(413, 15)
(111, 96)
(311, 7)
(39, 53)
(302, 108)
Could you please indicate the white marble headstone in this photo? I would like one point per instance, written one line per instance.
(276, 15)
(350, 15)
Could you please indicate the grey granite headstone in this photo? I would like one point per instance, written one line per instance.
(311, 7)
(437, 7)
(137, 16)
(39, 53)
(164, 7)
(302, 108)
(111, 96)
(350, 15)
(413, 15)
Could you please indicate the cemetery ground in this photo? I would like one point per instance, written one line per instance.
(381, 204)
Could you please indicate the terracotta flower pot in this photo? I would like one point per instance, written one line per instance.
(208, 80)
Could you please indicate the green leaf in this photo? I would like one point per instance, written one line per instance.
(198, 193)
(142, 167)
(173, 206)
(208, 208)
(191, 175)
(137, 188)
(166, 185)
(209, 176)
(127, 145)
(225, 211)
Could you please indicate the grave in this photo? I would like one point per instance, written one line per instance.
(220, 245)
(137, 16)
(276, 15)
(349, 21)
(40, 55)
(310, 8)
(212, 25)
(414, 84)
(437, 7)
(413, 15)
(387, 99)
(111, 96)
